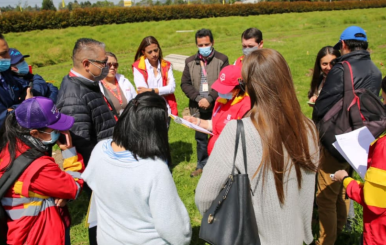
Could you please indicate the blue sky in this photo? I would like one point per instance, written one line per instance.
(39, 2)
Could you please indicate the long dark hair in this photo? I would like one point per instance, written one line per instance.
(317, 68)
(277, 116)
(142, 127)
(11, 133)
(146, 42)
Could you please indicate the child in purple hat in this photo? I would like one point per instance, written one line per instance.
(35, 203)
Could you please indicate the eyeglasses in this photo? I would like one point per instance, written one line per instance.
(110, 64)
(101, 62)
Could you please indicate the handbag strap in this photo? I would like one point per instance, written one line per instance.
(240, 131)
(351, 100)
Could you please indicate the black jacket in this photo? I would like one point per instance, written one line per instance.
(366, 75)
(94, 121)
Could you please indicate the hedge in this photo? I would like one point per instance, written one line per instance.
(28, 21)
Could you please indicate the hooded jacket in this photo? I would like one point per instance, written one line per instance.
(366, 75)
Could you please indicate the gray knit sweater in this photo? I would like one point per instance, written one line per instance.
(289, 223)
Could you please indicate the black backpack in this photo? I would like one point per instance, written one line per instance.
(6, 181)
(356, 109)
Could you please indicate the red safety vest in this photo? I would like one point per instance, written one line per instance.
(239, 61)
(165, 66)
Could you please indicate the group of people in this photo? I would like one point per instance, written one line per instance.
(109, 130)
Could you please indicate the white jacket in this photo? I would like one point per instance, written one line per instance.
(126, 86)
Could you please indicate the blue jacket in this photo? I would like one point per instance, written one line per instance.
(40, 86)
(10, 94)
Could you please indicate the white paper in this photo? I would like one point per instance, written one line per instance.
(354, 147)
(188, 124)
(92, 214)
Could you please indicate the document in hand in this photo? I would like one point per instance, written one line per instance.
(354, 147)
(188, 124)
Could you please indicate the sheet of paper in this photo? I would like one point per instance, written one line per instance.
(188, 124)
(354, 147)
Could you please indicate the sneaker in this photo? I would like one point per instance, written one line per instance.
(197, 172)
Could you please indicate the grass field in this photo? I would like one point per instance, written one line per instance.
(297, 36)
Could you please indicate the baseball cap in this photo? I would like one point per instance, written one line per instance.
(41, 112)
(352, 33)
(16, 56)
(227, 79)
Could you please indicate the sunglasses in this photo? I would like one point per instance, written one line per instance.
(110, 64)
(101, 62)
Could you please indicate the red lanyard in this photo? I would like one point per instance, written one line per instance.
(118, 95)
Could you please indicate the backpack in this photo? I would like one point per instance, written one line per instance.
(6, 181)
(356, 109)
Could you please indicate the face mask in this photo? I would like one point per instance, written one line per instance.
(102, 75)
(22, 68)
(227, 96)
(4, 64)
(205, 51)
(247, 51)
(54, 137)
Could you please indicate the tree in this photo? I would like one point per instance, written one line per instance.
(48, 5)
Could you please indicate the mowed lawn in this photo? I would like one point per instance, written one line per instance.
(298, 37)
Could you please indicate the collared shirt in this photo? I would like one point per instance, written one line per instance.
(79, 75)
(155, 82)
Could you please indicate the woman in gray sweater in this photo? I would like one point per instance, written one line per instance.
(282, 154)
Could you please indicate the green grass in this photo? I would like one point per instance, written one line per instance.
(297, 36)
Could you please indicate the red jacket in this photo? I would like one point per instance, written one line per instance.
(239, 61)
(140, 65)
(224, 111)
(33, 217)
(372, 194)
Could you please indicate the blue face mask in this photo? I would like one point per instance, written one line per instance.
(205, 51)
(227, 96)
(54, 137)
(22, 68)
(4, 64)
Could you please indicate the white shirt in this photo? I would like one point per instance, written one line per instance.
(155, 82)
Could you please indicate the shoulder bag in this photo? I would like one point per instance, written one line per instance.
(231, 220)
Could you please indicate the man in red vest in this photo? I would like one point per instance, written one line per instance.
(251, 40)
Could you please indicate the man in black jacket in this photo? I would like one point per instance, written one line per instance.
(79, 96)
(330, 195)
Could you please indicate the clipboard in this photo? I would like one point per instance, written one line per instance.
(188, 124)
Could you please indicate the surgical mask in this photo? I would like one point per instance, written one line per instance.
(22, 68)
(4, 64)
(227, 96)
(102, 75)
(247, 51)
(205, 51)
(54, 137)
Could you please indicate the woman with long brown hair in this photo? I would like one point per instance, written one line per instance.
(154, 74)
(282, 154)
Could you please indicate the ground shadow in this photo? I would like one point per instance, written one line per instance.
(78, 208)
(181, 152)
(195, 239)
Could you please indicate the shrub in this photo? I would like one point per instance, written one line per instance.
(48, 19)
